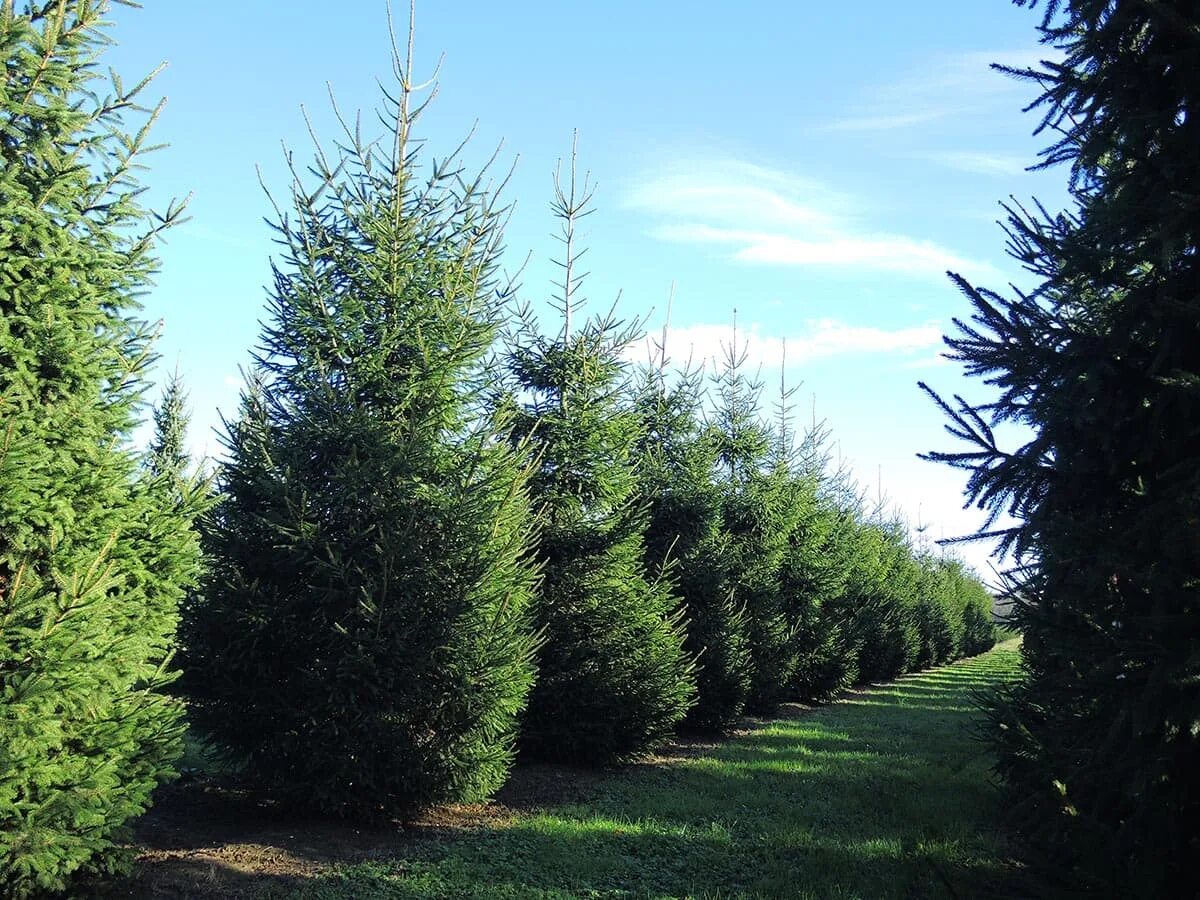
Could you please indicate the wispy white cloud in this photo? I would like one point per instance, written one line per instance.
(820, 339)
(945, 86)
(981, 163)
(885, 121)
(765, 217)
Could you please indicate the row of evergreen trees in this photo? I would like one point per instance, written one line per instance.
(444, 534)
(439, 535)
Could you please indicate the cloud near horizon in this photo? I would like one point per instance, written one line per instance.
(767, 217)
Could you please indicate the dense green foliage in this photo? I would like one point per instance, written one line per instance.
(613, 678)
(685, 539)
(363, 641)
(413, 567)
(1102, 361)
(95, 550)
(760, 507)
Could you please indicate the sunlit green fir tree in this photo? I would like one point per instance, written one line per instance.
(1099, 742)
(364, 637)
(613, 678)
(95, 551)
(760, 514)
(883, 590)
(677, 456)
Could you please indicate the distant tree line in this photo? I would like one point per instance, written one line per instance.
(441, 535)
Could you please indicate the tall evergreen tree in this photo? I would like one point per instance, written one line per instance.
(363, 637)
(1102, 360)
(613, 678)
(759, 516)
(881, 600)
(94, 553)
(814, 578)
(685, 538)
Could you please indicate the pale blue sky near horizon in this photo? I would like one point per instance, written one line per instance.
(818, 167)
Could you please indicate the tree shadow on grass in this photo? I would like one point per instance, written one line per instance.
(884, 795)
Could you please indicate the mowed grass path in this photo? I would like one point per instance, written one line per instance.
(884, 794)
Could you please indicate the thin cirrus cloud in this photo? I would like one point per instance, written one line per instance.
(981, 163)
(953, 85)
(702, 343)
(766, 217)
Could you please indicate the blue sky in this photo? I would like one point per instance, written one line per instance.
(816, 166)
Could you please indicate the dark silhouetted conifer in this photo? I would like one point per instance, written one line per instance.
(1099, 742)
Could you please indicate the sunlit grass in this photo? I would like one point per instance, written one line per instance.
(887, 794)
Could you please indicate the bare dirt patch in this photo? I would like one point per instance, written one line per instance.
(216, 838)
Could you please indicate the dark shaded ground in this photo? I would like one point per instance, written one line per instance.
(212, 837)
(882, 794)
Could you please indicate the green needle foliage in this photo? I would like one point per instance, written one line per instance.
(95, 551)
(685, 539)
(167, 455)
(884, 588)
(364, 638)
(760, 512)
(813, 582)
(613, 678)
(1099, 743)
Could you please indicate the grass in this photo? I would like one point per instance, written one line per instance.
(885, 794)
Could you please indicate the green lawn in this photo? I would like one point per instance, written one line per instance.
(885, 794)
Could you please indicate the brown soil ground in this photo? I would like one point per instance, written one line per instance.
(212, 837)
(215, 838)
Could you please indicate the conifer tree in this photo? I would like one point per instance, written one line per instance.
(364, 636)
(1102, 361)
(94, 553)
(938, 614)
(685, 538)
(167, 455)
(814, 579)
(613, 678)
(759, 516)
(881, 593)
(815, 573)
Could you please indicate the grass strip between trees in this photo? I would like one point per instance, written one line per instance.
(887, 793)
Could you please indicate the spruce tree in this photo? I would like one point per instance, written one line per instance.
(816, 570)
(882, 592)
(685, 538)
(167, 455)
(363, 640)
(1099, 742)
(938, 616)
(814, 578)
(95, 552)
(760, 515)
(613, 678)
